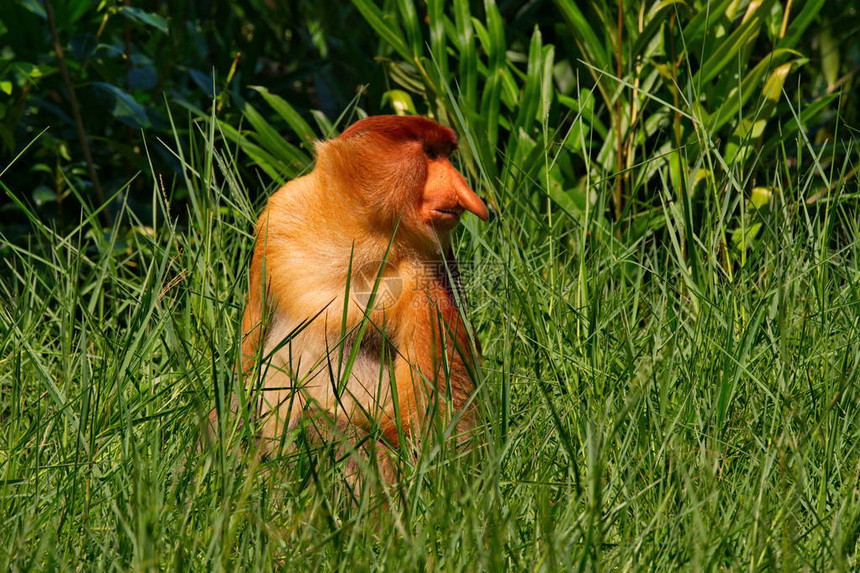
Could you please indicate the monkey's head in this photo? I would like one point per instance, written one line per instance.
(395, 170)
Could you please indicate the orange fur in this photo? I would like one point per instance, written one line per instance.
(382, 191)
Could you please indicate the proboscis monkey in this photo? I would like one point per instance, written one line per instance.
(351, 314)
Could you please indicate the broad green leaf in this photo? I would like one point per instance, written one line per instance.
(483, 37)
(724, 56)
(468, 79)
(326, 127)
(657, 17)
(273, 167)
(496, 37)
(269, 139)
(142, 78)
(495, 48)
(694, 31)
(27, 72)
(547, 91)
(584, 110)
(798, 25)
(520, 155)
(731, 107)
(290, 115)
(42, 195)
(571, 201)
(807, 114)
(143, 17)
(381, 23)
(761, 196)
(773, 86)
(587, 39)
(400, 101)
(123, 107)
(741, 143)
(438, 45)
(36, 7)
(741, 238)
(829, 51)
(530, 100)
(412, 25)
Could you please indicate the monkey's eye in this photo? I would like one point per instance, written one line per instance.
(431, 153)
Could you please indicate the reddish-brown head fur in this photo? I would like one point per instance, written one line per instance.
(402, 129)
(396, 171)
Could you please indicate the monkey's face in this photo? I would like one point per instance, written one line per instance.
(425, 192)
(401, 174)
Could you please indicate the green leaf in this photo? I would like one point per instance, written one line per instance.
(123, 107)
(530, 99)
(273, 167)
(773, 86)
(742, 237)
(142, 78)
(205, 82)
(144, 17)
(468, 79)
(695, 31)
(761, 196)
(400, 101)
(807, 15)
(412, 24)
(36, 7)
(655, 20)
(586, 38)
(290, 115)
(496, 36)
(270, 140)
(27, 72)
(42, 195)
(738, 97)
(546, 91)
(829, 50)
(495, 48)
(725, 55)
(438, 45)
(6, 87)
(324, 124)
(388, 32)
(790, 127)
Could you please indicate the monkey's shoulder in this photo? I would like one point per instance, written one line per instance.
(293, 207)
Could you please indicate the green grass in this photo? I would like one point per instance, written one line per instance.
(646, 405)
(668, 301)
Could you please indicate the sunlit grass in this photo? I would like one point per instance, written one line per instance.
(647, 404)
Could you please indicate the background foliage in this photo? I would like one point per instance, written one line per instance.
(668, 296)
(643, 87)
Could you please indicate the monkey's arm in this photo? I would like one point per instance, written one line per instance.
(253, 329)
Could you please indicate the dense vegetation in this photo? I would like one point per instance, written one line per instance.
(668, 296)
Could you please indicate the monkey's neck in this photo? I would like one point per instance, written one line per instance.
(441, 348)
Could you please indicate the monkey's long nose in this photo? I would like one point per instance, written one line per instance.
(468, 199)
